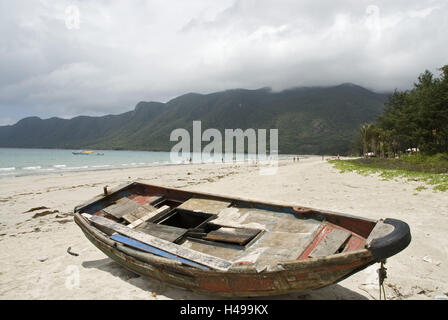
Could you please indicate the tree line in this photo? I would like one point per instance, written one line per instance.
(415, 119)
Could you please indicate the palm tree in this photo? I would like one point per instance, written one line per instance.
(381, 145)
(374, 138)
(366, 130)
(383, 136)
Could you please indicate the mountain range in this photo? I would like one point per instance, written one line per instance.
(310, 120)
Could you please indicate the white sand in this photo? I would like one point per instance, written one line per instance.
(35, 265)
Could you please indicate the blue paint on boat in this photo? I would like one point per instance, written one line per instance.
(147, 248)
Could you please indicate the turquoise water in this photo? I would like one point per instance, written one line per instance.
(21, 162)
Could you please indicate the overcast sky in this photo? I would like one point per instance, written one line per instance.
(67, 58)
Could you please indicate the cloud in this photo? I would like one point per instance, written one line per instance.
(121, 52)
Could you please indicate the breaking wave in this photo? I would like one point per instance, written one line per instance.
(8, 169)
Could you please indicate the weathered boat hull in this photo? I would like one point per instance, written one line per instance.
(241, 282)
(244, 280)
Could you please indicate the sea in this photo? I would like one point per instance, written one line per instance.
(16, 162)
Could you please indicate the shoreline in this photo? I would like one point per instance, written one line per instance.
(130, 167)
(33, 244)
(41, 169)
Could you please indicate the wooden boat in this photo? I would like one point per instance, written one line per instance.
(233, 247)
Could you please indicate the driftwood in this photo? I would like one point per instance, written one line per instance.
(69, 251)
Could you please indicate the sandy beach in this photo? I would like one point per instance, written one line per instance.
(33, 244)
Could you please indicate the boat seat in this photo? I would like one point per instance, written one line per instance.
(331, 243)
(161, 231)
(204, 205)
(128, 209)
(238, 236)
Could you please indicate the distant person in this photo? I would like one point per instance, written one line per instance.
(339, 157)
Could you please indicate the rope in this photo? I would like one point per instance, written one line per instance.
(382, 274)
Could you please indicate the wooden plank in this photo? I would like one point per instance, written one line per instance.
(204, 205)
(198, 257)
(152, 200)
(122, 207)
(130, 218)
(147, 248)
(331, 243)
(150, 216)
(161, 231)
(355, 242)
(239, 236)
(106, 230)
(101, 213)
(380, 230)
(317, 237)
(138, 213)
(121, 187)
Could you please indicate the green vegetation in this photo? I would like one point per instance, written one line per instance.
(430, 170)
(418, 162)
(410, 138)
(312, 120)
(413, 119)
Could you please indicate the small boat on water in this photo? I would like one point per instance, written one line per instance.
(83, 153)
(233, 247)
(87, 153)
